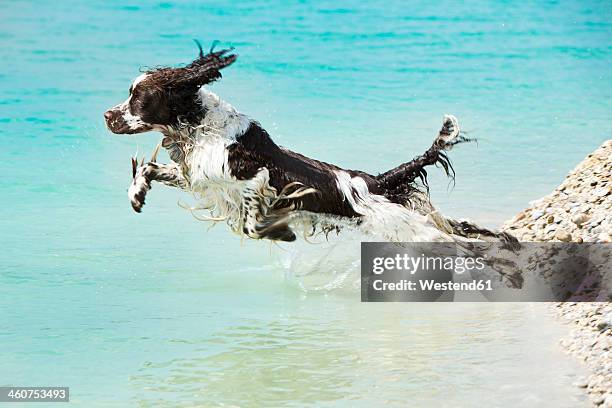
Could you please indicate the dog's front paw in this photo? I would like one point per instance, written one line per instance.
(141, 182)
(140, 185)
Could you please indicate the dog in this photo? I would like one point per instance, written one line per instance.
(265, 191)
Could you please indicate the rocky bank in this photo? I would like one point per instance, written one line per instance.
(580, 210)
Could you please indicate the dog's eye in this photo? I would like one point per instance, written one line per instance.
(130, 90)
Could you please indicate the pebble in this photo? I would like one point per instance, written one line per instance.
(562, 235)
(597, 218)
(550, 228)
(582, 383)
(580, 219)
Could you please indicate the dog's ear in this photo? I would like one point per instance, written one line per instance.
(206, 68)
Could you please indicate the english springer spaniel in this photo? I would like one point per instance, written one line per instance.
(265, 191)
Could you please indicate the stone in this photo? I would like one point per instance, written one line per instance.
(608, 401)
(550, 219)
(550, 228)
(562, 235)
(597, 219)
(603, 324)
(601, 192)
(582, 383)
(580, 219)
(594, 199)
(604, 237)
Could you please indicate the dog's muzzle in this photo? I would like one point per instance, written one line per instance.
(115, 122)
(120, 121)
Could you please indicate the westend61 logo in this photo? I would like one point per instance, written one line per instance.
(484, 271)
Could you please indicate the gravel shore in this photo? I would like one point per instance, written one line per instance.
(580, 210)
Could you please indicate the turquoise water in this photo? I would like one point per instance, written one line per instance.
(153, 309)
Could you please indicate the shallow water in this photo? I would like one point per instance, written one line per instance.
(153, 309)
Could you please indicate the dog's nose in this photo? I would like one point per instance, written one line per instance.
(108, 115)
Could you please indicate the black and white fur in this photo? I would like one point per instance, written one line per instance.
(262, 190)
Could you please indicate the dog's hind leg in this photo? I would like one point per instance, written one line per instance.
(168, 174)
(408, 172)
(257, 212)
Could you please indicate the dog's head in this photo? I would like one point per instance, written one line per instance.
(165, 97)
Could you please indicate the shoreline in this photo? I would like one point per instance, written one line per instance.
(590, 340)
(580, 210)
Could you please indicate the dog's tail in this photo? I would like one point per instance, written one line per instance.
(408, 173)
